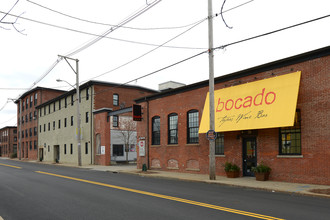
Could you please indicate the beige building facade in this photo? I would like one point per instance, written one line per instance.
(58, 129)
(57, 124)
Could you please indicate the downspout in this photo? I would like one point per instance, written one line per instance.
(92, 126)
(147, 138)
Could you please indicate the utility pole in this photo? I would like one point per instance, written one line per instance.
(78, 107)
(211, 92)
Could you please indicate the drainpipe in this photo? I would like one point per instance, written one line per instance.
(147, 136)
(92, 126)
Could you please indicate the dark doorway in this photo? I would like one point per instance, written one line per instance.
(249, 155)
(41, 154)
(56, 153)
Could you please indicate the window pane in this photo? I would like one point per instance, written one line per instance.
(115, 121)
(155, 131)
(219, 144)
(115, 99)
(192, 132)
(117, 150)
(173, 129)
(290, 138)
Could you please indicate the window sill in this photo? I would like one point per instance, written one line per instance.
(220, 155)
(172, 145)
(290, 156)
(172, 168)
(190, 169)
(155, 145)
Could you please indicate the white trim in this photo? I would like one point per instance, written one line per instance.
(290, 156)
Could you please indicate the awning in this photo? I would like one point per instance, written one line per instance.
(261, 104)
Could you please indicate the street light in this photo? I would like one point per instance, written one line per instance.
(61, 80)
(78, 98)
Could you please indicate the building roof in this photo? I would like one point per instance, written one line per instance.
(115, 112)
(36, 89)
(322, 52)
(10, 127)
(95, 82)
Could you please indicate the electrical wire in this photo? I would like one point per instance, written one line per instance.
(9, 11)
(271, 32)
(125, 21)
(90, 43)
(106, 24)
(152, 73)
(139, 57)
(8, 120)
(97, 35)
(3, 106)
(220, 47)
(13, 88)
(221, 13)
(162, 45)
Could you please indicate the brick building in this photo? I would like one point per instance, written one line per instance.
(115, 136)
(298, 152)
(8, 141)
(28, 121)
(58, 120)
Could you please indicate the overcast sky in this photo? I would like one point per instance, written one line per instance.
(28, 54)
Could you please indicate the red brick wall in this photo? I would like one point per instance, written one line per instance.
(7, 142)
(43, 95)
(104, 94)
(103, 98)
(102, 127)
(313, 102)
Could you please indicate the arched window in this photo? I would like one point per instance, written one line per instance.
(173, 128)
(192, 126)
(155, 139)
(115, 99)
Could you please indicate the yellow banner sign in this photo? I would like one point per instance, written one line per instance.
(261, 104)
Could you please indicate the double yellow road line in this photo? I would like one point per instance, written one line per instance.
(177, 199)
(171, 198)
(7, 165)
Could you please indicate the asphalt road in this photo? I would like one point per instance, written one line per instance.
(39, 191)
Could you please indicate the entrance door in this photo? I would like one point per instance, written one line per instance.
(41, 154)
(249, 155)
(56, 153)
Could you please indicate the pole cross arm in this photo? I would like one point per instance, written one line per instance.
(66, 59)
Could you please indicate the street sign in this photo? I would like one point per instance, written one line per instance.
(211, 135)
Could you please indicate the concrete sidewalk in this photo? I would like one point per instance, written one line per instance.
(248, 182)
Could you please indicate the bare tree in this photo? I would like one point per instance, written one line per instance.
(127, 129)
(12, 23)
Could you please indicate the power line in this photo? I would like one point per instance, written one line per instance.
(152, 73)
(220, 47)
(106, 24)
(8, 120)
(139, 57)
(272, 32)
(13, 88)
(97, 35)
(124, 40)
(206, 51)
(90, 43)
(125, 21)
(163, 45)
